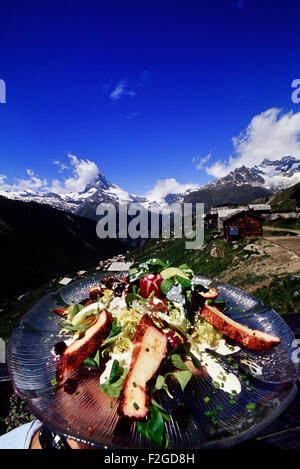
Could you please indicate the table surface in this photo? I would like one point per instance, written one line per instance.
(282, 433)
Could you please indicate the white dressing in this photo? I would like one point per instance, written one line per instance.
(228, 382)
(224, 349)
(254, 368)
(123, 358)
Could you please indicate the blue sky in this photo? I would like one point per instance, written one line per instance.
(146, 91)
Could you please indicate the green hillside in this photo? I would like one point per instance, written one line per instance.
(286, 200)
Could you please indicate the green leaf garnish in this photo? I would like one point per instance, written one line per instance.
(185, 283)
(154, 427)
(115, 329)
(114, 385)
(166, 285)
(73, 310)
(90, 362)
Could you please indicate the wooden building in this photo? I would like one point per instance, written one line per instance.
(211, 220)
(260, 209)
(242, 224)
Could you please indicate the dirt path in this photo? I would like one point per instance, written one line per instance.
(274, 228)
(291, 243)
(279, 255)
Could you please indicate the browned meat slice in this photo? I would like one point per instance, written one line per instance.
(61, 311)
(253, 339)
(73, 356)
(150, 347)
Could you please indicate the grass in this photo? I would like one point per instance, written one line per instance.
(199, 260)
(270, 232)
(248, 279)
(283, 294)
(288, 223)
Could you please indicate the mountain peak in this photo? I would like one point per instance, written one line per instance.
(99, 183)
(268, 176)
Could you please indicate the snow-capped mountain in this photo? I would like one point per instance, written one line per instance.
(268, 177)
(82, 203)
(273, 175)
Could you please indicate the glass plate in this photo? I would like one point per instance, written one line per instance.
(90, 416)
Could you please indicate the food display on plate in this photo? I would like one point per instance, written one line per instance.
(151, 330)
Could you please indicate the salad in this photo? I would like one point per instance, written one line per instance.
(151, 330)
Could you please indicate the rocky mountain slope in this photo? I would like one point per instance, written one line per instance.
(273, 175)
(227, 194)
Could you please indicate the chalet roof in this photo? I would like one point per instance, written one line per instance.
(259, 207)
(225, 212)
(239, 214)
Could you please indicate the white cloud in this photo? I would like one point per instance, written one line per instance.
(61, 165)
(164, 187)
(121, 90)
(32, 183)
(200, 162)
(83, 172)
(270, 135)
(3, 185)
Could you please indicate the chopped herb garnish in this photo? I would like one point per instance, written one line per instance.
(250, 406)
(212, 414)
(54, 382)
(136, 406)
(207, 400)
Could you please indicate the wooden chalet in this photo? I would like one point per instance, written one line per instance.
(241, 224)
(211, 220)
(260, 209)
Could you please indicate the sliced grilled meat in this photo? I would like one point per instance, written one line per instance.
(253, 339)
(75, 354)
(150, 347)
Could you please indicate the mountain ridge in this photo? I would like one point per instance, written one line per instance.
(241, 185)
